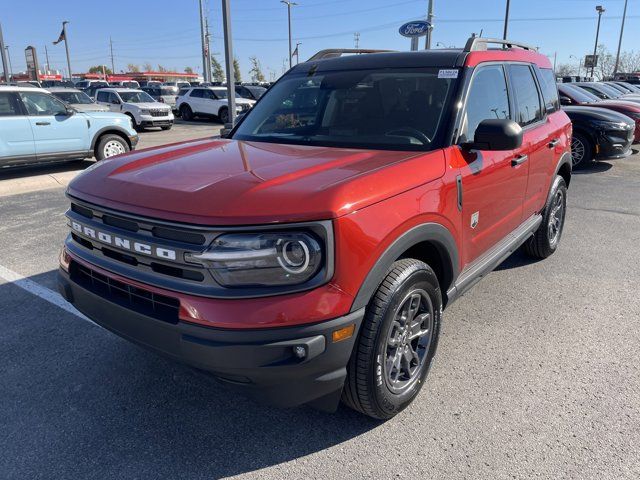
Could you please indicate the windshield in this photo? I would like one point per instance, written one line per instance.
(168, 91)
(399, 109)
(578, 94)
(74, 97)
(136, 97)
(610, 91)
(220, 92)
(257, 92)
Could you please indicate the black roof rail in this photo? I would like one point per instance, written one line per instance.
(475, 44)
(338, 52)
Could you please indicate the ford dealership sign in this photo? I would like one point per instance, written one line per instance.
(417, 28)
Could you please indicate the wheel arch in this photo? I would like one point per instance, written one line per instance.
(431, 243)
(106, 131)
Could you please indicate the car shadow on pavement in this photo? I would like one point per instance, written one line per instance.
(44, 169)
(593, 167)
(517, 259)
(78, 399)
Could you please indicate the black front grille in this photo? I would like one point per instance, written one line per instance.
(137, 299)
(159, 113)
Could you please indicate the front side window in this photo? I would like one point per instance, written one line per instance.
(41, 104)
(136, 97)
(526, 95)
(219, 93)
(549, 90)
(395, 108)
(103, 97)
(197, 93)
(487, 99)
(74, 97)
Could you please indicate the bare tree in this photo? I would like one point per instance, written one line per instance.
(256, 71)
(565, 70)
(162, 69)
(236, 70)
(131, 67)
(629, 62)
(606, 62)
(147, 67)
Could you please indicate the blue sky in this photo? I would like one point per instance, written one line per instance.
(167, 32)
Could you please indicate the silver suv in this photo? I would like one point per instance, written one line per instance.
(144, 111)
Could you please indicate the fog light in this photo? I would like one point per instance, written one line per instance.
(299, 351)
(343, 333)
(65, 259)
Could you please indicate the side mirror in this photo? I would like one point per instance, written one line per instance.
(565, 100)
(69, 112)
(496, 134)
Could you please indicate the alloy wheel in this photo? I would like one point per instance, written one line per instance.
(556, 218)
(408, 341)
(578, 151)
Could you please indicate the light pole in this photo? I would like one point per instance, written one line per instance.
(427, 40)
(600, 10)
(289, 4)
(579, 62)
(9, 58)
(624, 15)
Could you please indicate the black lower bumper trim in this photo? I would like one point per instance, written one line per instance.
(261, 361)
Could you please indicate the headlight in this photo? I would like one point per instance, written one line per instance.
(144, 112)
(262, 259)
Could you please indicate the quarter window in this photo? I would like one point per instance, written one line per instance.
(41, 104)
(525, 94)
(8, 105)
(487, 99)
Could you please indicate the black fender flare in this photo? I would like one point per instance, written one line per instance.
(435, 233)
(565, 159)
(110, 128)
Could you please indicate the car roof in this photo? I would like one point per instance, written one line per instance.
(121, 90)
(64, 89)
(15, 88)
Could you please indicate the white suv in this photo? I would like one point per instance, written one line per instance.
(143, 110)
(209, 102)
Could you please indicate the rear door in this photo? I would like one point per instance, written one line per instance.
(196, 101)
(16, 136)
(493, 182)
(211, 104)
(55, 132)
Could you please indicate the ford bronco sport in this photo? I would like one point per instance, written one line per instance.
(308, 257)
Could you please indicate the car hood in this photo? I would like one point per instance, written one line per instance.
(89, 107)
(626, 104)
(596, 113)
(228, 182)
(147, 105)
(108, 115)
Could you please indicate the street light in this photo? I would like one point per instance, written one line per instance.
(6, 47)
(289, 4)
(600, 10)
(624, 15)
(579, 62)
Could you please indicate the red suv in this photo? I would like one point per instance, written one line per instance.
(308, 257)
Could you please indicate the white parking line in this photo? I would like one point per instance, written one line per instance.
(38, 290)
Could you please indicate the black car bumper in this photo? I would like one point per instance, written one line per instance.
(262, 362)
(156, 123)
(614, 144)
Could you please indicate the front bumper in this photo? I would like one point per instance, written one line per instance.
(261, 361)
(161, 122)
(614, 144)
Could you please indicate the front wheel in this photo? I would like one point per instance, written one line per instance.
(186, 113)
(581, 150)
(397, 341)
(546, 239)
(223, 115)
(110, 146)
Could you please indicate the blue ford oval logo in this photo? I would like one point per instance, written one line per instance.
(417, 28)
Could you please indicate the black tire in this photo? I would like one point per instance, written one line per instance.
(168, 127)
(186, 113)
(547, 238)
(110, 145)
(369, 387)
(223, 115)
(582, 150)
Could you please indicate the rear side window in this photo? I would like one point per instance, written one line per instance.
(197, 93)
(488, 98)
(526, 96)
(8, 105)
(549, 90)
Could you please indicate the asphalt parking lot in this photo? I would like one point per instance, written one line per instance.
(537, 374)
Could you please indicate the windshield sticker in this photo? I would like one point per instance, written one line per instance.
(451, 73)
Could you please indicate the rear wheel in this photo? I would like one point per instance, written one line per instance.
(547, 238)
(397, 341)
(223, 115)
(581, 150)
(186, 113)
(111, 145)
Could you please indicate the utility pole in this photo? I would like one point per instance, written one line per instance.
(9, 58)
(289, 4)
(205, 72)
(555, 57)
(207, 40)
(624, 15)
(113, 66)
(46, 54)
(506, 21)
(427, 41)
(356, 40)
(5, 63)
(600, 11)
(66, 47)
(228, 60)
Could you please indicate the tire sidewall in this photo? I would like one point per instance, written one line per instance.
(588, 151)
(558, 184)
(186, 113)
(391, 403)
(221, 115)
(100, 155)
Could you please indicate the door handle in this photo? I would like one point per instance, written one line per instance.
(553, 143)
(43, 123)
(519, 160)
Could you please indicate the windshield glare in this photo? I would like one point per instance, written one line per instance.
(397, 109)
(136, 97)
(74, 97)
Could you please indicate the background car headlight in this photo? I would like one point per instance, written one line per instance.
(262, 259)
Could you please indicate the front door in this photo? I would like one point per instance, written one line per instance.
(55, 131)
(493, 182)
